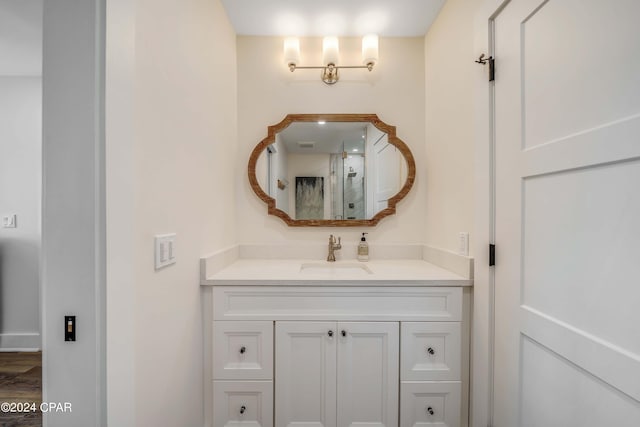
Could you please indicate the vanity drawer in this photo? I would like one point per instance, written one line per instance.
(246, 403)
(425, 404)
(242, 350)
(430, 351)
(338, 303)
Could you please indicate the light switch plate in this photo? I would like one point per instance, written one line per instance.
(165, 250)
(10, 221)
(463, 243)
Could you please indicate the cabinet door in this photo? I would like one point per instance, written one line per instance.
(368, 374)
(306, 374)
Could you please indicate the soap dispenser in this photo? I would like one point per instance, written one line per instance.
(363, 249)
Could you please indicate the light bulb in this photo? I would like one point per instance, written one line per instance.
(330, 50)
(370, 49)
(291, 51)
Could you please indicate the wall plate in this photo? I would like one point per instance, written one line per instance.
(10, 221)
(165, 250)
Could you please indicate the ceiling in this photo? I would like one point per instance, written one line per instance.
(387, 18)
(21, 37)
(331, 137)
(21, 23)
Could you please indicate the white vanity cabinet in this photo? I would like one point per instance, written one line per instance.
(336, 373)
(334, 356)
(430, 387)
(242, 373)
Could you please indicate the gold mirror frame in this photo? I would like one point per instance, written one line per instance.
(371, 118)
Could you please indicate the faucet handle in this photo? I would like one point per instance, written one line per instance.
(339, 238)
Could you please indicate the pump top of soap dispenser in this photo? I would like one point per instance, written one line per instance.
(363, 239)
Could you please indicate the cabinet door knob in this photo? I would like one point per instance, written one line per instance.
(344, 333)
(430, 410)
(243, 409)
(330, 333)
(431, 351)
(243, 350)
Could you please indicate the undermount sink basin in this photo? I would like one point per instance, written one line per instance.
(333, 268)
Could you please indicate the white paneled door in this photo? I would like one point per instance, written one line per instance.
(387, 160)
(567, 214)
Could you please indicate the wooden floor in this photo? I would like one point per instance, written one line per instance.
(21, 381)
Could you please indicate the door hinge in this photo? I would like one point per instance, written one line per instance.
(492, 69)
(492, 65)
(492, 255)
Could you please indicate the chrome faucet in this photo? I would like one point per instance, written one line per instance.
(333, 247)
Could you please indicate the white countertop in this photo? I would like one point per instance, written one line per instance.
(271, 272)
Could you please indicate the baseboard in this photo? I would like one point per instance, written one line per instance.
(459, 264)
(212, 263)
(20, 342)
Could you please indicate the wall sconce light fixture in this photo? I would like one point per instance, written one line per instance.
(330, 56)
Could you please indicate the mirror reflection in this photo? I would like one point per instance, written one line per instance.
(331, 170)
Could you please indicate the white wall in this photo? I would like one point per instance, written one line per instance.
(20, 171)
(171, 155)
(120, 197)
(452, 80)
(449, 119)
(457, 128)
(20, 193)
(267, 91)
(73, 211)
(21, 38)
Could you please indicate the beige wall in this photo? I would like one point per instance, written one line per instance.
(181, 123)
(267, 91)
(171, 157)
(449, 119)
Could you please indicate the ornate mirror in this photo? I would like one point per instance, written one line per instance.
(337, 170)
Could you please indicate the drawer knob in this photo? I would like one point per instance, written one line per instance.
(430, 410)
(431, 351)
(330, 333)
(243, 409)
(243, 350)
(344, 333)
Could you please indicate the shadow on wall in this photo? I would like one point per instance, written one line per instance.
(19, 287)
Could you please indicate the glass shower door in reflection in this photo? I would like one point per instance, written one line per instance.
(347, 181)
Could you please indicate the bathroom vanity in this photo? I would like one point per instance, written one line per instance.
(309, 343)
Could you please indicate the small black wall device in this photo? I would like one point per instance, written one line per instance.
(69, 328)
